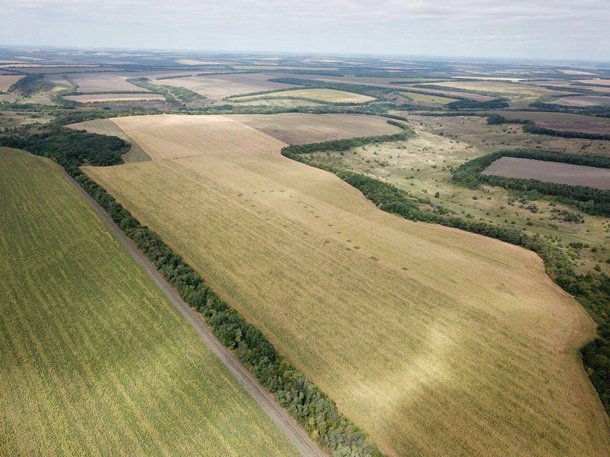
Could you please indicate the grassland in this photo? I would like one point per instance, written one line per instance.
(6, 81)
(563, 173)
(109, 97)
(94, 359)
(321, 95)
(436, 341)
(217, 87)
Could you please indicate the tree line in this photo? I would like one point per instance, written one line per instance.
(311, 407)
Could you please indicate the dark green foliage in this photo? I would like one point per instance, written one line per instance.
(587, 199)
(473, 104)
(592, 291)
(312, 408)
(31, 84)
(73, 146)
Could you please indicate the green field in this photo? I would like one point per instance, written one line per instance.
(318, 94)
(95, 361)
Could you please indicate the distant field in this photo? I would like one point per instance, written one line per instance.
(563, 173)
(596, 81)
(98, 82)
(501, 88)
(438, 342)
(107, 127)
(450, 92)
(299, 128)
(428, 99)
(322, 95)
(562, 121)
(6, 81)
(220, 86)
(107, 97)
(95, 361)
(583, 100)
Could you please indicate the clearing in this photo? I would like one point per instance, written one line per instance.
(97, 361)
(563, 173)
(438, 342)
(322, 95)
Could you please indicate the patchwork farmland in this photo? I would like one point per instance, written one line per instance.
(436, 341)
(95, 361)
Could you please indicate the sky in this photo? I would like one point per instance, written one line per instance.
(530, 29)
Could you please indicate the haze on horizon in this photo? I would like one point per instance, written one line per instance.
(549, 29)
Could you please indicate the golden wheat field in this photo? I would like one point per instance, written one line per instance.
(95, 361)
(436, 341)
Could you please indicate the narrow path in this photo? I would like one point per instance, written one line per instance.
(295, 433)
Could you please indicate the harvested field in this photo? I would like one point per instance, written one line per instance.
(322, 95)
(294, 128)
(187, 136)
(99, 82)
(95, 360)
(107, 127)
(438, 342)
(562, 121)
(107, 97)
(217, 87)
(583, 100)
(596, 81)
(501, 88)
(563, 173)
(6, 81)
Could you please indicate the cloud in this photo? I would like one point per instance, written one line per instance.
(314, 24)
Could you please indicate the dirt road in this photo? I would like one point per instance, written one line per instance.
(284, 421)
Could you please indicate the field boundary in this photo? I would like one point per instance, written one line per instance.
(263, 398)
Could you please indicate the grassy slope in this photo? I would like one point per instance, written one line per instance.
(436, 341)
(94, 357)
